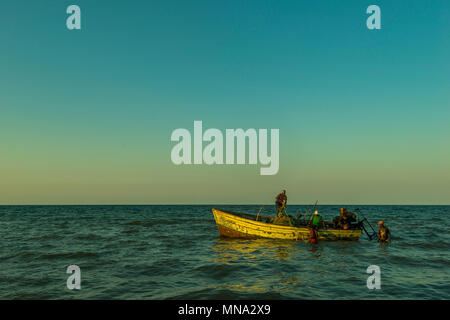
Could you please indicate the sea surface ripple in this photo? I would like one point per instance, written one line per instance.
(175, 252)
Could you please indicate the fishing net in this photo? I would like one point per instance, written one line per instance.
(283, 220)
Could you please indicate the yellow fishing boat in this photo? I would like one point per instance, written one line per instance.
(240, 225)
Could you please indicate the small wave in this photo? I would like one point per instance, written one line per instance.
(219, 271)
(226, 294)
(160, 268)
(130, 231)
(90, 236)
(134, 223)
(54, 236)
(164, 221)
(80, 254)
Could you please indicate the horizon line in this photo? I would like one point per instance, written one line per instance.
(219, 204)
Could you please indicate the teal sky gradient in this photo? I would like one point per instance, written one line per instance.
(86, 116)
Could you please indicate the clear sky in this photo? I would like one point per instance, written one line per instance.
(86, 115)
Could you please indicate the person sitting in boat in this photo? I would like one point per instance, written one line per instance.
(344, 221)
(280, 202)
(348, 216)
(384, 235)
(316, 221)
(337, 222)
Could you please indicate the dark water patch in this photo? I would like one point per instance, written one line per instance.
(90, 237)
(130, 231)
(134, 223)
(219, 271)
(80, 254)
(224, 294)
(24, 255)
(161, 268)
(442, 262)
(164, 221)
(54, 236)
(180, 243)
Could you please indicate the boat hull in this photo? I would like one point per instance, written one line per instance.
(232, 225)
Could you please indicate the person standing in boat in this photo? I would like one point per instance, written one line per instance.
(316, 221)
(384, 235)
(280, 202)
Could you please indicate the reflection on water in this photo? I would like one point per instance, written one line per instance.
(229, 249)
(315, 250)
(260, 255)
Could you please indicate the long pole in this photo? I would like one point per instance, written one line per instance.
(259, 213)
(311, 210)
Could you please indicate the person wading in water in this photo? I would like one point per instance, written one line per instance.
(280, 202)
(314, 223)
(384, 235)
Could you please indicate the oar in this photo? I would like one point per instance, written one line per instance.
(259, 213)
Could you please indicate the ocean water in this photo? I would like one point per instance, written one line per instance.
(175, 252)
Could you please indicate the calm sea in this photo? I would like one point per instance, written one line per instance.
(175, 252)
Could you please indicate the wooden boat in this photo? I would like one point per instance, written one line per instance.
(240, 225)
